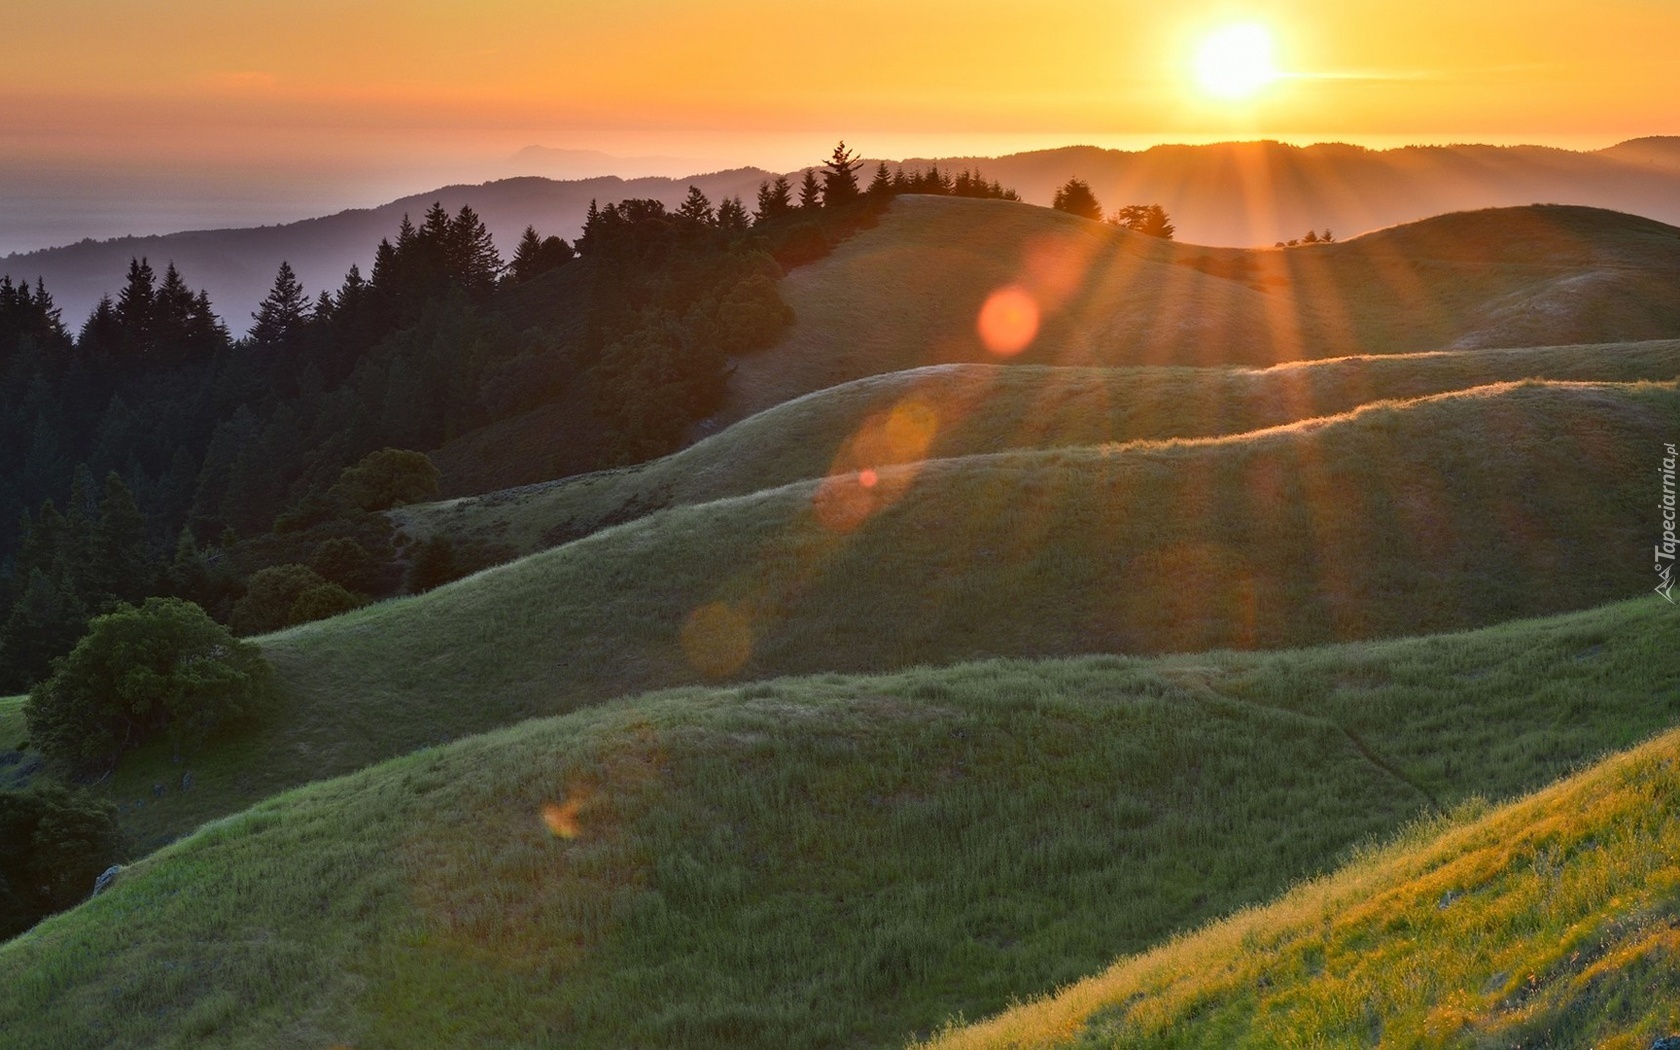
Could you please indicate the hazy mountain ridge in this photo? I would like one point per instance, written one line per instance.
(1251, 193)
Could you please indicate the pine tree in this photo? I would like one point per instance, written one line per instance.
(775, 199)
(882, 184)
(697, 209)
(136, 306)
(810, 192)
(524, 265)
(470, 254)
(281, 317)
(124, 569)
(732, 216)
(840, 185)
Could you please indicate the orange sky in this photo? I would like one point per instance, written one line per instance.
(124, 116)
(117, 78)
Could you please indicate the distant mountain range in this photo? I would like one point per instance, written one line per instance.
(1252, 193)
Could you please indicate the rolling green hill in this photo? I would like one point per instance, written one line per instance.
(975, 409)
(828, 861)
(1431, 515)
(908, 292)
(1550, 922)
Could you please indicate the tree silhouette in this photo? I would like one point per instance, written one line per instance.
(775, 199)
(840, 185)
(696, 208)
(882, 184)
(281, 317)
(732, 216)
(1147, 219)
(810, 192)
(1075, 198)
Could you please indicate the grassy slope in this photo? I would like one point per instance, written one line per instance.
(908, 292)
(988, 408)
(1434, 515)
(1554, 921)
(822, 862)
(17, 767)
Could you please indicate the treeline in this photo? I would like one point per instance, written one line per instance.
(153, 454)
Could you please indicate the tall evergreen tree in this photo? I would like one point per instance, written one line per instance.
(882, 184)
(840, 185)
(281, 317)
(775, 199)
(732, 215)
(696, 208)
(810, 192)
(136, 308)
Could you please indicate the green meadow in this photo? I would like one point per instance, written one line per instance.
(1548, 922)
(951, 411)
(1433, 515)
(932, 683)
(820, 862)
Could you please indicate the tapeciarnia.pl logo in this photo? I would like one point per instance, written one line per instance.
(1665, 550)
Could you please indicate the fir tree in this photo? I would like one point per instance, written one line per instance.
(840, 185)
(281, 317)
(775, 199)
(732, 216)
(696, 208)
(810, 192)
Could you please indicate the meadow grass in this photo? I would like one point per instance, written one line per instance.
(1554, 921)
(908, 292)
(835, 861)
(1428, 516)
(981, 408)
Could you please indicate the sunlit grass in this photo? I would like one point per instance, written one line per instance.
(1439, 515)
(990, 408)
(910, 291)
(1550, 922)
(827, 861)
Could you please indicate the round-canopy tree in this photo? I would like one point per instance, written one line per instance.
(1075, 198)
(164, 668)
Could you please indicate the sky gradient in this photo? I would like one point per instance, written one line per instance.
(293, 106)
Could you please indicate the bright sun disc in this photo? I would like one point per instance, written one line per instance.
(1236, 61)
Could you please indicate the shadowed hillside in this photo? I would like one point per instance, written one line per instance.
(1550, 922)
(1440, 514)
(823, 862)
(990, 408)
(910, 292)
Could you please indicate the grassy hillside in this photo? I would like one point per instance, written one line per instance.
(1432, 515)
(1550, 922)
(17, 766)
(818, 862)
(972, 409)
(908, 293)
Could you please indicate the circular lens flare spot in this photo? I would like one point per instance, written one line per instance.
(1009, 321)
(867, 478)
(561, 818)
(1235, 62)
(717, 639)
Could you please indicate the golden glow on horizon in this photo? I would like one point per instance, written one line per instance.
(118, 79)
(1235, 62)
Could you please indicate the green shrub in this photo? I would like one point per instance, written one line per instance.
(163, 668)
(270, 596)
(388, 478)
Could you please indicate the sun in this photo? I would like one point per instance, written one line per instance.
(1235, 61)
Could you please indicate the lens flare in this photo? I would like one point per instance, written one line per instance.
(867, 478)
(717, 639)
(1009, 321)
(561, 818)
